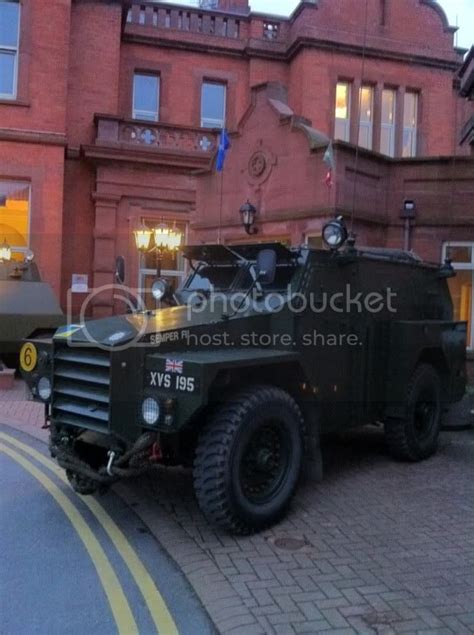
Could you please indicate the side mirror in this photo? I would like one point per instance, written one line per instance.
(120, 269)
(266, 266)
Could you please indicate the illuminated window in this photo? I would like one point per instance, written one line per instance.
(146, 97)
(461, 287)
(213, 105)
(366, 119)
(9, 44)
(172, 266)
(410, 124)
(343, 111)
(387, 134)
(14, 215)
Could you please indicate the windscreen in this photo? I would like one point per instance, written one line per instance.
(233, 278)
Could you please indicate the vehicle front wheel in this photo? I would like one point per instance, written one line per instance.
(415, 437)
(248, 460)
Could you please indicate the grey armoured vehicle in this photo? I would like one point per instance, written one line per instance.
(27, 305)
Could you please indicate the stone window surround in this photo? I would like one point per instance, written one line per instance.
(378, 87)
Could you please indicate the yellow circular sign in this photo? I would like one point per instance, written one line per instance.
(28, 357)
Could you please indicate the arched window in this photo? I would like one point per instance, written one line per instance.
(9, 46)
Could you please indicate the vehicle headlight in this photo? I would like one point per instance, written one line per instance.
(160, 289)
(335, 233)
(150, 411)
(44, 388)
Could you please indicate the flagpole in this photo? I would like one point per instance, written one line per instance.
(219, 232)
(223, 147)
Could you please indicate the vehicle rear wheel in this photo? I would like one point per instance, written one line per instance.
(415, 437)
(248, 460)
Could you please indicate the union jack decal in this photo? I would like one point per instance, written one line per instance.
(174, 366)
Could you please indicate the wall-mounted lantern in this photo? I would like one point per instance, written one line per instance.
(248, 213)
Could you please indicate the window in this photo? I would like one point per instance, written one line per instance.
(14, 215)
(410, 124)
(343, 112)
(213, 105)
(461, 287)
(366, 117)
(146, 96)
(9, 44)
(387, 134)
(172, 266)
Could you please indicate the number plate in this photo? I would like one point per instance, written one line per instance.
(172, 382)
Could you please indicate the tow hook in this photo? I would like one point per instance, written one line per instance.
(111, 455)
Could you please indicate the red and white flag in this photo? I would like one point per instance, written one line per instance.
(328, 159)
(174, 366)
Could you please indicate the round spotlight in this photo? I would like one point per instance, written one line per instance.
(150, 411)
(44, 388)
(29, 256)
(335, 233)
(160, 289)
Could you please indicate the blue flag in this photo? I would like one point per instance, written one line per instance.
(224, 145)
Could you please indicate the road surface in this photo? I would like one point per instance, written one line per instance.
(81, 565)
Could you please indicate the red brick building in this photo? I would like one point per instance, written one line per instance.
(110, 110)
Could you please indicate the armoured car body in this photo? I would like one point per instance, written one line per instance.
(266, 349)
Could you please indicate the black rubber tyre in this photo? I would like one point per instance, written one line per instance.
(415, 438)
(248, 460)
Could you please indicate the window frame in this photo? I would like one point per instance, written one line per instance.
(15, 51)
(367, 125)
(214, 123)
(136, 112)
(412, 130)
(16, 248)
(387, 126)
(464, 266)
(347, 121)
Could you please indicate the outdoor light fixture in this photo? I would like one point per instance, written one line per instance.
(335, 233)
(5, 252)
(165, 240)
(409, 209)
(143, 238)
(249, 212)
(408, 214)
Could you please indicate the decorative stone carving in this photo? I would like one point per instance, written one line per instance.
(260, 165)
(166, 138)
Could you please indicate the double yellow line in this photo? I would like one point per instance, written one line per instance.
(119, 605)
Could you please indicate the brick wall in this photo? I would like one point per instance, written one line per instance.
(78, 58)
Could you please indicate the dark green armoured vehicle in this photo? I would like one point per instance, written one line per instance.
(264, 350)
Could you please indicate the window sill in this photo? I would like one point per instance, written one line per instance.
(14, 102)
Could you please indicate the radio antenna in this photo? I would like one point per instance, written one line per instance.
(356, 162)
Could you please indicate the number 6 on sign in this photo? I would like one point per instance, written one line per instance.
(28, 357)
